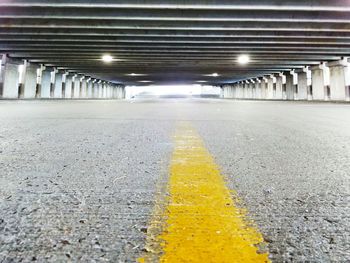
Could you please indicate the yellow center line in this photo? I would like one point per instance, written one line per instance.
(202, 218)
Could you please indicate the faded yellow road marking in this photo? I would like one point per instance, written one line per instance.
(203, 222)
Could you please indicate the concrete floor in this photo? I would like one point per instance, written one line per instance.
(78, 178)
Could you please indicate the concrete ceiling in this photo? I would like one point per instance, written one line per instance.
(175, 41)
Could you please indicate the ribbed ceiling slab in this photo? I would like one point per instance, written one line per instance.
(175, 41)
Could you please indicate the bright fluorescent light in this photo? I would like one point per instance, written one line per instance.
(145, 81)
(201, 81)
(243, 59)
(213, 75)
(107, 58)
(135, 74)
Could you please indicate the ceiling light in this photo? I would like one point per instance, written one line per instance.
(145, 81)
(107, 58)
(201, 81)
(135, 74)
(243, 59)
(213, 75)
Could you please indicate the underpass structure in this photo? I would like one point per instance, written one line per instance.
(176, 42)
(93, 170)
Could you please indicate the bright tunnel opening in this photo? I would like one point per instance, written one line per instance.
(172, 91)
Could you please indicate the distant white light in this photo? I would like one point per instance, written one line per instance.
(212, 75)
(145, 81)
(201, 81)
(135, 74)
(107, 58)
(243, 59)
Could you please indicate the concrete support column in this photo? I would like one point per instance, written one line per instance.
(74, 79)
(252, 89)
(38, 86)
(221, 92)
(90, 85)
(76, 86)
(309, 84)
(270, 86)
(258, 88)
(279, 87)
(247, 93)
(121, 91)
(114, 91)
(21, 71)
(117, 92)
(100, 89)
(237, 90)
(52, 86)
(242, 85)
(234, 89)
(319, 89)
(100, 92)
(263, 85)
(30, 79)
(83, 87)
(95, 89)
(244, 90)
(68, 84)
(225, 91)
(104, 90)
(107, 90)
(230, 91)
(339, 90)
(232, 95)
(9, 78)
(57, 86)
(302, 84)
(290, 88)
(228, 94)
(110, 91)
(63, 93)
(44, 83)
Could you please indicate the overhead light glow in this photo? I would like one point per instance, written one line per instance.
(107, 58)
(145, 81)
(135, 74)
(213, 75)
(243, 59)
(201, 81)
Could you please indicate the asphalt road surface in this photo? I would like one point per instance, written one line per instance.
(78, 179)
